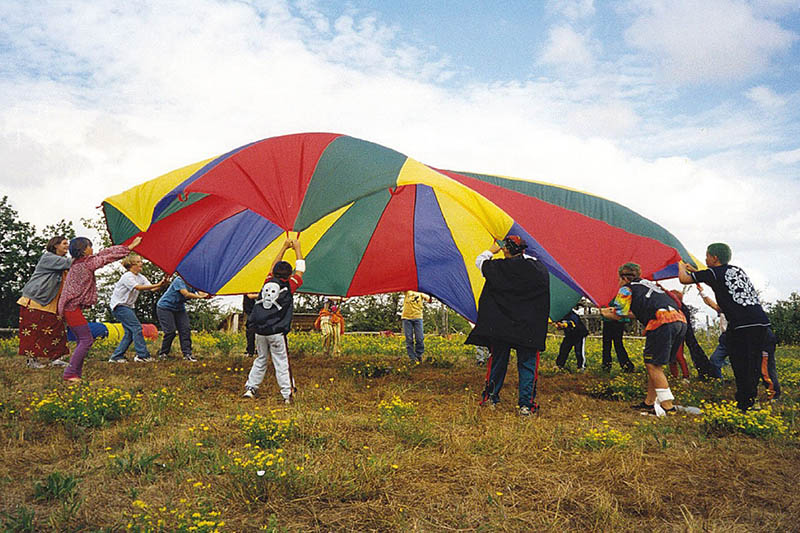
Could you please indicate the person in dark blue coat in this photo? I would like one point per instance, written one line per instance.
(575, 333)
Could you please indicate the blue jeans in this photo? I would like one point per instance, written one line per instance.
(171, 322)
(133, 333)
(527, 367)
(719, 358)
(415, 338)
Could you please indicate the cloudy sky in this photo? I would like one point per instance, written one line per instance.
(685, 111)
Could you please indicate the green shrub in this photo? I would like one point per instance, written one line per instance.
(9, 347)
(185, 517)
(228, 342)
(595, 439)
(265, 431)
(132, 464)
(620, 388)
(21, 520)
(725, 417)
(84, 406)
(56, 486)
(367, 369)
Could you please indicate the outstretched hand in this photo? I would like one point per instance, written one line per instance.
(135, 242)
(609, 312)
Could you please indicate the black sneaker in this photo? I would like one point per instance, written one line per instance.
(642, 405)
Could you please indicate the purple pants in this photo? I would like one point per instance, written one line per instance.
(85, 341)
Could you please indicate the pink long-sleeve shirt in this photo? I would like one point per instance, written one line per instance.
(80, 286)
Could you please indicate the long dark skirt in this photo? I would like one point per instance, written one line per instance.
(41, 334)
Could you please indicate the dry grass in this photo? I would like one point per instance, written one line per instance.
(452, 466)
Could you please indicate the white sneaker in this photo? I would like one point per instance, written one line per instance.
(32, 362)
(117, 360)
(138, 359)
(58, 362)
(189, 358)
(249, 393)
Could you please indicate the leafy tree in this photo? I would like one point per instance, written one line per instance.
(438, 318)
(204, 315)
(376, 312)
(18, 257)
(784, 315)
(20, 250)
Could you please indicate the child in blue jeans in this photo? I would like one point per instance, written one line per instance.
(123, 301)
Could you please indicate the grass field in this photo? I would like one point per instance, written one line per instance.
(373, 444)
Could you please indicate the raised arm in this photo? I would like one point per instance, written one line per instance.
(300, 263)
(106, 256)
(286, 245)
(683, 273)
(486, 255)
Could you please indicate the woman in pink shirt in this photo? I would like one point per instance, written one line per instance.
(80, 292)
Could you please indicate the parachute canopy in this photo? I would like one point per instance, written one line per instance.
(372, 220)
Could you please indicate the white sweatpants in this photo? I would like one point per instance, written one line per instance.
(272, 347)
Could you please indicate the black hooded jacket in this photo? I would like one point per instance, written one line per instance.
(514, 304)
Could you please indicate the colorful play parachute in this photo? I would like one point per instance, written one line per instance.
(371, 220)
(113, 331)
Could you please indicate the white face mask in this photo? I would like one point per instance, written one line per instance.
(269, 295)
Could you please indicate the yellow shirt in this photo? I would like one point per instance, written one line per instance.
(412, 305)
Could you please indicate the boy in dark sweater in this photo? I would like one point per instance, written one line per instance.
(271, 320)
(747, 321)
(575, 333)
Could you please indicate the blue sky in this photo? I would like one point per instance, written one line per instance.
(685, 111)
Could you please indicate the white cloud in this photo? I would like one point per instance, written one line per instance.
(138, 92)
(788, 157)
(765, 97)
(712, 40)
(568, 48)
(572, 9)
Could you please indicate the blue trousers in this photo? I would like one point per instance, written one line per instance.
(133, 333)
(415, 338)
(172, 322)
(527, 367)
(719, 357)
